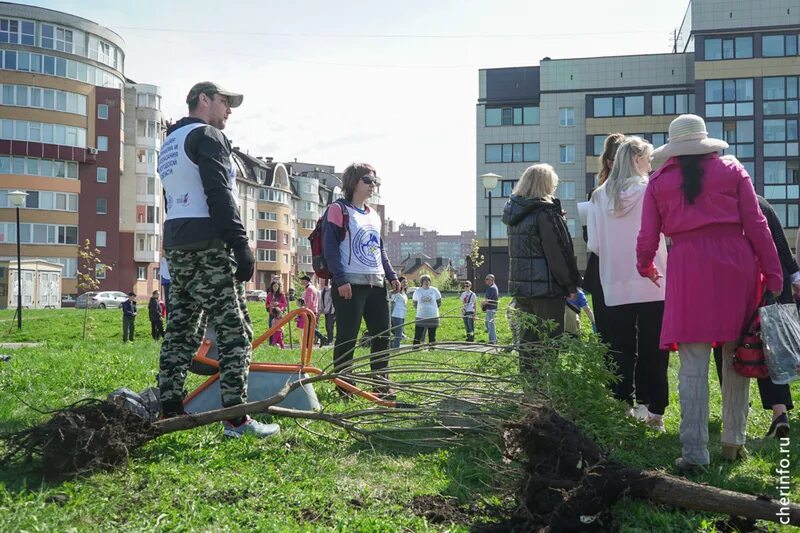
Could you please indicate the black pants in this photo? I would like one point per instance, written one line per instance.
(600, 311)
(371, 304)
(771, 394)
(419, 334)
(634, 335)
(157, 329)
(128, 328)
(544, 309)
(330, 320)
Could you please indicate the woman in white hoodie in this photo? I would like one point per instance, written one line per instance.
(635, 304)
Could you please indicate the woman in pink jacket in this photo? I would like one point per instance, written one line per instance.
(720, 240)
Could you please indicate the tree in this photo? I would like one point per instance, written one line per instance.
(89, 265)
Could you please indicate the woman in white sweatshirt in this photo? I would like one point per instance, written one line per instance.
(635, 304)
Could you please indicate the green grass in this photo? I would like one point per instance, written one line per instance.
(307, 480)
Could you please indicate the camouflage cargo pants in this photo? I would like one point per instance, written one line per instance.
(203, 286)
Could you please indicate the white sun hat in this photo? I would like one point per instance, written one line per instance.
(688, 136)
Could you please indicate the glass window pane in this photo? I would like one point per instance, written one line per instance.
(634, 105)
(517, 116)
(772, 45)
(658, 105)
(603, 107)
(508, 116)
(744, 109)
(774, 88)
(744, 89)
(744, 47)
(507, 153)
(744, 131)
(791, 45)
(531, 151)
(517, 152)
(619, 107)
(530, 115)
(493, 153)
(493, 116)
(775, 130)
(714, 91)
(713, 49)
(727, 49)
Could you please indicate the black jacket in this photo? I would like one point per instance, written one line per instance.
(541, 257)
(788, 262)
(129, 308)
(154, 309)
(210, 150)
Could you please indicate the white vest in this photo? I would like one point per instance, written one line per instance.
(180, 177)
(364, 236)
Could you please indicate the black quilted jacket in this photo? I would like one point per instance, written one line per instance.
(541, 258)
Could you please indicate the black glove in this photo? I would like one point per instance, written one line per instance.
(245, 263)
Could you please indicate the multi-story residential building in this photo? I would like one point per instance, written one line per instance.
(414, 241)
(142, 206)
(61, 122)
(734, 63)
(249, 177)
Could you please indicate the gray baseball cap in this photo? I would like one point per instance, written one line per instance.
(211, 88)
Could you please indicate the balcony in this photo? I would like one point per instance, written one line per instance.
(146, 256)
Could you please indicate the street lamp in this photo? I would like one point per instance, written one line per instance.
(489, 181)
(17, 199)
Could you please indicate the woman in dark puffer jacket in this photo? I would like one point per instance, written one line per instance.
(542, 267)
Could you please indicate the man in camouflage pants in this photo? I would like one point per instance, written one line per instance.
(209, 256)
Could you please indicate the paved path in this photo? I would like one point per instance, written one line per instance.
(17, 345)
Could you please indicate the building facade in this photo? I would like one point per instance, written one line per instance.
(412, 241)
(61, 121)
(734, 63)
(142, 200)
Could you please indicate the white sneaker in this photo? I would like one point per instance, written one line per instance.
(641, 412)
(251, 427)
(655, 422)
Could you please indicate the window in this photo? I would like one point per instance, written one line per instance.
(23, 130)
(102, 175)
(658, 139)
(102, 206)
(102, 111)
(100, 270)
(286, 258)
(728, 48)
(618, 106)
(737, 133)
(566, 190)
(100, 239)
(141, 273)
(266, 255)
(781, 95)
(780, 137)
(285, 219)
(566, 153)
(285, 238)
(512, 116)
(729, 98)
(148, 100)
(268, 235)
(511, 153)
(566, 116)
(779, 45)
(33, 166)
(672, 104)
(267, 215)
(102, 143)
(782, 184)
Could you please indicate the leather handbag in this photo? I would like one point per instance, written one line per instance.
(748, 359)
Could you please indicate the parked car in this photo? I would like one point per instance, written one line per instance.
(255, 296)
(100, 300)
(68, 301)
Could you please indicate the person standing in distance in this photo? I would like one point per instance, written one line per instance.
(489, 306)
(209, 256)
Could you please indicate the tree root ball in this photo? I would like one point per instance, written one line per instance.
(91, 435)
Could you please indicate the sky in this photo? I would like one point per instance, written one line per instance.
(391, 83)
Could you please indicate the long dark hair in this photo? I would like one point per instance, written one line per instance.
(692, 176)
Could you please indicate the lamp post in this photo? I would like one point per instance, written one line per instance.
(489, 181)
(17, 199)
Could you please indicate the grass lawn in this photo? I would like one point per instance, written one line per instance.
(313, 476)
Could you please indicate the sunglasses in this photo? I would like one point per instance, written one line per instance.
(371, 180)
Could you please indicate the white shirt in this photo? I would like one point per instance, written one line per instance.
(426, 302)
(468, 301)
(399, 304)
(360, 250)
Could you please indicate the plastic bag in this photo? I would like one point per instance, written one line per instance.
(145, 404)
(780, 333)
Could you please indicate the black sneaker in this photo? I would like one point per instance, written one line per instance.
(779, 427)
